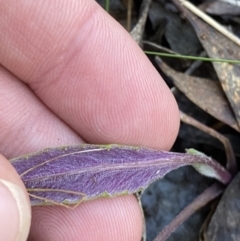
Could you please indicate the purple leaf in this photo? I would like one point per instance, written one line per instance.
(69, 175)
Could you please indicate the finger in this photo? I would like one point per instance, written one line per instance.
(26, 125)
(15, 211)
(103, 219)
(88, 71)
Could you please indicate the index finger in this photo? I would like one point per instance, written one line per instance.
(87, 69)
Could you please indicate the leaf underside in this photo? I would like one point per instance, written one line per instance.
(70, 175)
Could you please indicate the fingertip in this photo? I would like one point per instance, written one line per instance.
(170, 120)
(15, 211)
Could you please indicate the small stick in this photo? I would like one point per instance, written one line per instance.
(129, 15)
(210, 21)
(195, 64)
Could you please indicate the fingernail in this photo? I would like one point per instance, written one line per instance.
(15, 213)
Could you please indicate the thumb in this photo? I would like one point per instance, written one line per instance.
(15, 210)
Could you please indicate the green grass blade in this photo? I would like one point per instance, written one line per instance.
(107, 3)
(230, 61)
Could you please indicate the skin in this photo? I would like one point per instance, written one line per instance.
(71, 74)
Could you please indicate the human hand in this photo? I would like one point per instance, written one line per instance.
(69, 74)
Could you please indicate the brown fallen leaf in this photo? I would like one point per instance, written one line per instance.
(137, 31)
(220, 8)
(225, 222)
(205, 93)
(218, 46)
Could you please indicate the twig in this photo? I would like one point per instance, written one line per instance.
(159, 47)
(195, 64)
(129, 15)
